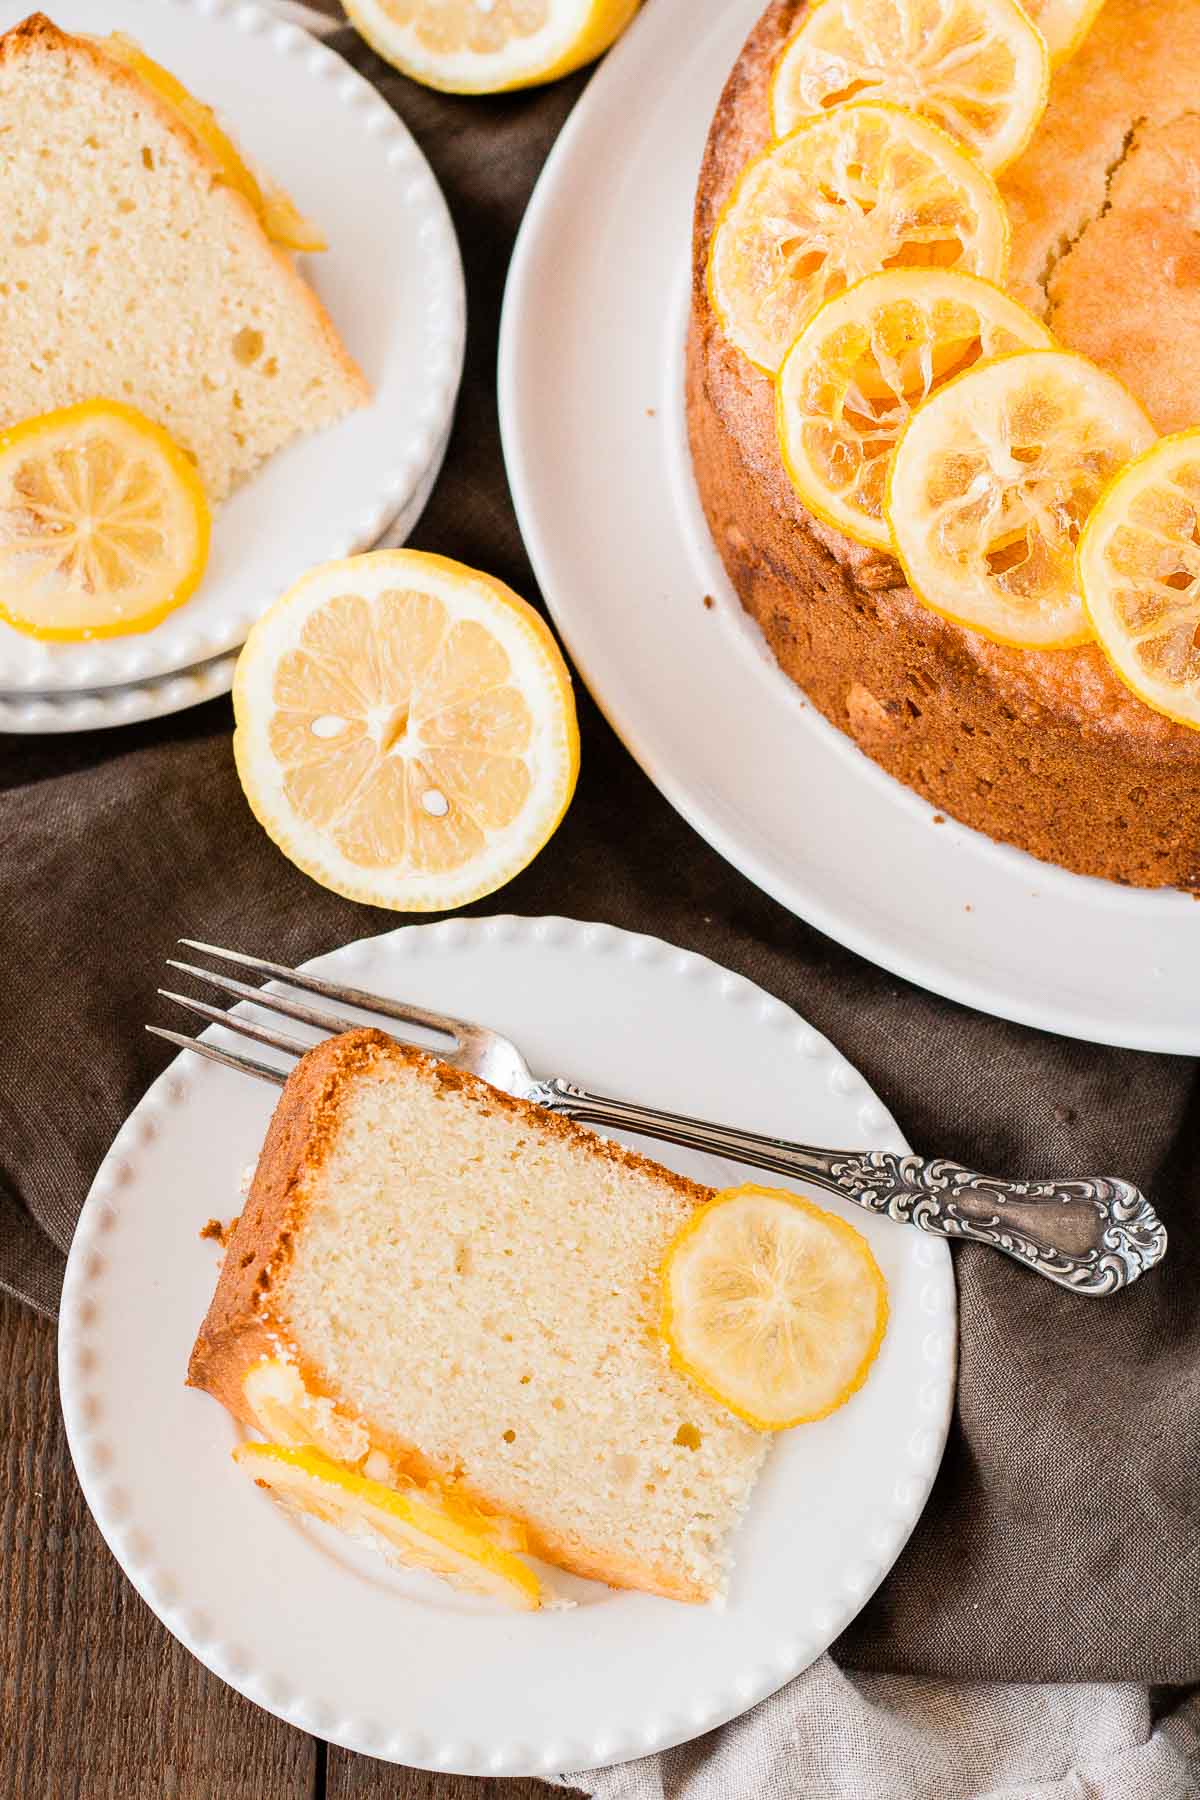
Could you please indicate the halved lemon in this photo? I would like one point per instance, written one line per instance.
(104, 525)
(1063, 23)
(978, 68)
(863, 188)
(774, 1306)
(282, 221)
(854, 376)
(990, 486)
(400, 1525)
(405, 729)
(1139, 567)
(486, 46)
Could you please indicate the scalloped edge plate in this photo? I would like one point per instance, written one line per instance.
(398, 1666)
(392, 281)
(681, 673)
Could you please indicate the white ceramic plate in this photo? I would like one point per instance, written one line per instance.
(400, 1666)
(595, 311)
(391, 280)
(98, 708)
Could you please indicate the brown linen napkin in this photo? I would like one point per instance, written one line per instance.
(1061, 1541)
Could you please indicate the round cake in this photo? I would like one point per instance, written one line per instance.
(1044, 749)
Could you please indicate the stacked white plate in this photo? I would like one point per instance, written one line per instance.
(392, 282)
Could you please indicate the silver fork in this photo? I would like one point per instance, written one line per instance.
(1094, 1235)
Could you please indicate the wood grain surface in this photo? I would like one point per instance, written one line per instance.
(97, 1700)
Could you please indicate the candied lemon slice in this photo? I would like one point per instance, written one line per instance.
(288, 1413)
(854, 376)
(990, 486)
(283, 223)
(1139, 567)
(405, 729)
(978, 68)
(863, 188)
(1063, 23)
(402, 1526)
(776, 1307)
(486, 46)
(104, 525)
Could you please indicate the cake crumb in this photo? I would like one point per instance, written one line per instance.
(218, 1233)
(652, 412)
(709, 603)
(939, 818)
(968, 907)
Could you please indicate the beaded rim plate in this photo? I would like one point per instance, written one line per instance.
(391, 280)
(396, 1665)
(661, 640)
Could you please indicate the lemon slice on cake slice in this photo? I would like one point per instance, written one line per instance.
(774, 1306)
(400, 1525)
(405, 729)
(860, 189)
(978, 68)
(990, 486)
(278, 214)
(487, 46)
(1139, 567)
(104, 525)
(861, 366)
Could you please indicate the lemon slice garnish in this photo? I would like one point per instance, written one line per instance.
(406, 1529)
(1139, 567)
(773, 1306)
(288, 1413)
(990, 486)
(848, 193)
(1063, 23)
(405, 729)
(282, 221)
(465, 47)
(978, 68)
(860, 367)
(104, 525)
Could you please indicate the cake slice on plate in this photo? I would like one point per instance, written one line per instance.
(433, 1280)
(136, 265)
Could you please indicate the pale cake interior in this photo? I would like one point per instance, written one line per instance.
(487, 1293)
(129, 272)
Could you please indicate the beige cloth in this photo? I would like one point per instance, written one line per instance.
(831, 1735)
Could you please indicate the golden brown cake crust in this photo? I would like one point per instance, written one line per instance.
(1046, 750)
(242, 1327)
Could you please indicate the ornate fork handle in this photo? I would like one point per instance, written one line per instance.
(1092, 1235)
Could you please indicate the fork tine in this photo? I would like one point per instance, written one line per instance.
(332, 990)
(291, 1009)
(245, 1065)
(277, 1040)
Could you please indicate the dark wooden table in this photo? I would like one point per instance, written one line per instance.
(99, 1701)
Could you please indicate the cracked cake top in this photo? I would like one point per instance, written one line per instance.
(1105, 204)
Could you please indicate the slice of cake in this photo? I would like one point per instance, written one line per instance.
(131, 269)
(469, 1286)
